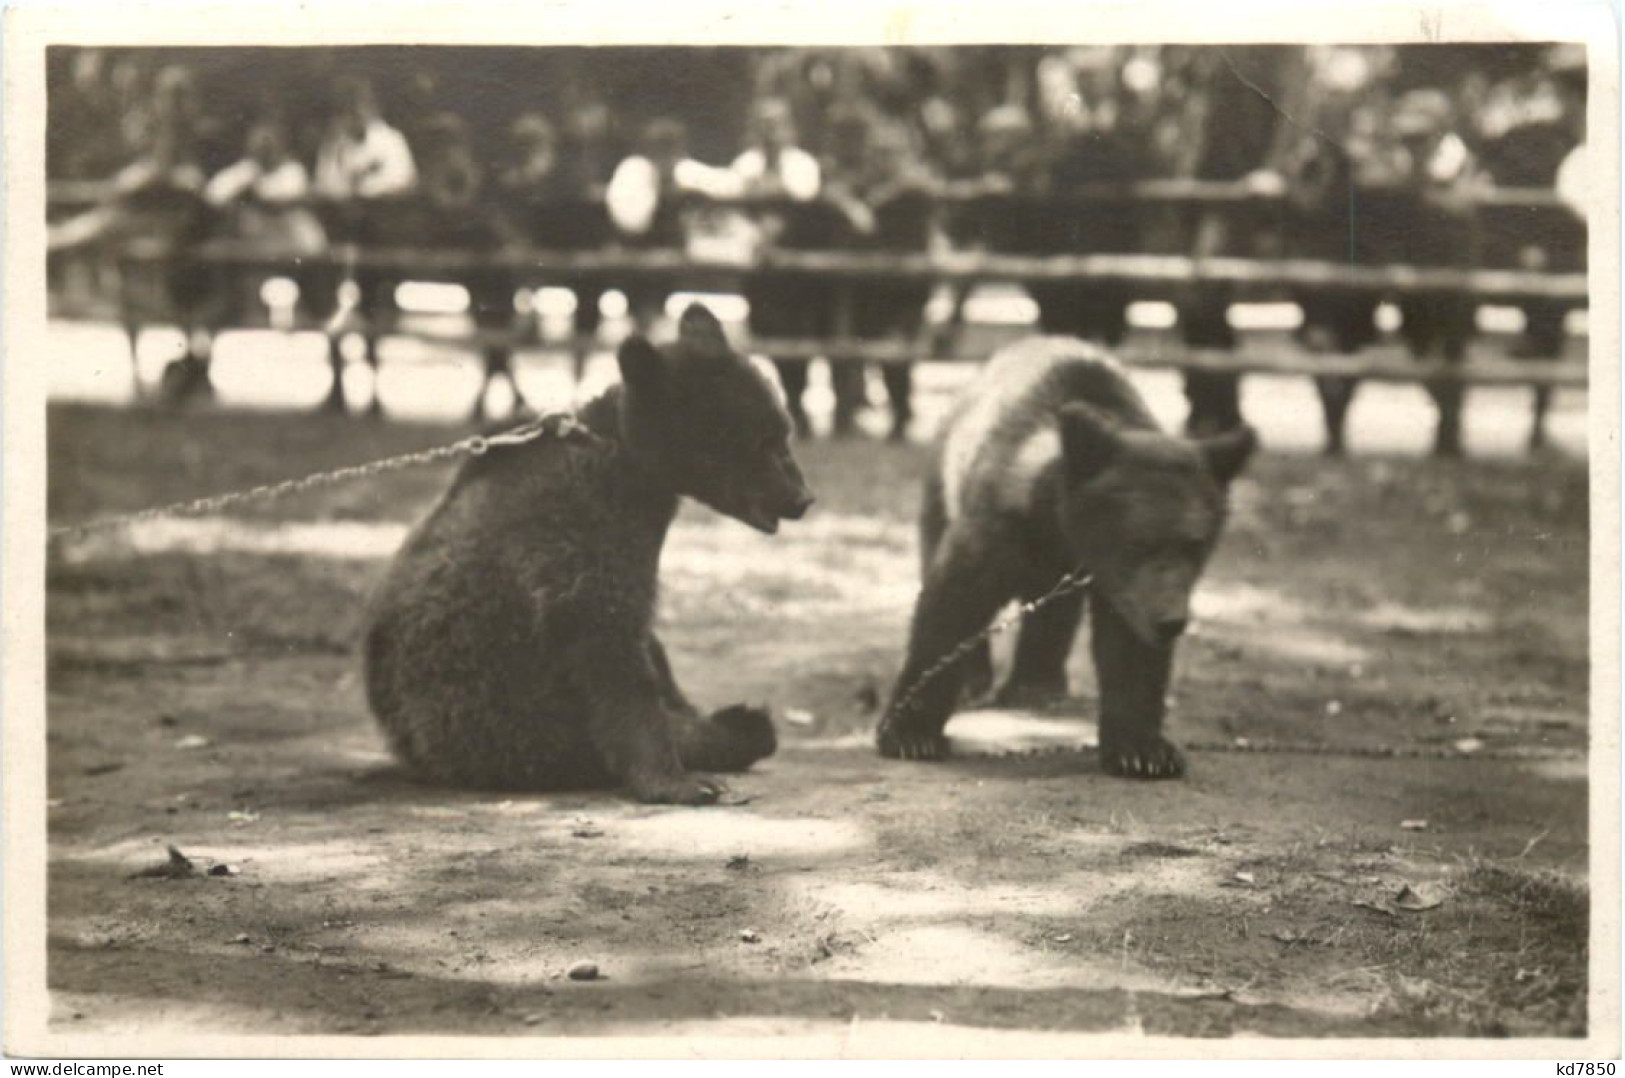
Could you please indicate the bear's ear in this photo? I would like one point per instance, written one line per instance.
(699, 329)
(1089, 440)
(643, 368)
(1226, 454)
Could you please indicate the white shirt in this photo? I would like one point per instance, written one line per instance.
(797, 172)
(633, 196)
(377, 165)
(288, 182)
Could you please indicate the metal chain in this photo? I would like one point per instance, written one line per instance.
(1399, 752)
(1077, 580)
(1073, 581)
(1246, 746)
(558, 424)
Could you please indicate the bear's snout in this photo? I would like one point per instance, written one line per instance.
(1171, 629)
(798, 506)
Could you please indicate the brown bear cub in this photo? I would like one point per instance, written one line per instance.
(1050, 463)
(511, 643)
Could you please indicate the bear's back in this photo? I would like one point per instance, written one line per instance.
(1001, 439)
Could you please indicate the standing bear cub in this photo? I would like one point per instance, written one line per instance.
(511, 643)
(1051, 463)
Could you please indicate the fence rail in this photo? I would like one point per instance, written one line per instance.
(64, 195)
(1153, 276)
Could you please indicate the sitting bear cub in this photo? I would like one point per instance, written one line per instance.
(510, 645)
(1051, 462)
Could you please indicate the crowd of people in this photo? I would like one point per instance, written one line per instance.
(858, 148)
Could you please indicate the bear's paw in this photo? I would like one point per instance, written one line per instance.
(1142, 758)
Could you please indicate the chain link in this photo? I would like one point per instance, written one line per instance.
(1073, 581)
(1247, 746)
(558, 424)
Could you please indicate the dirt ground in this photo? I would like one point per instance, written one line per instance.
(203, 693)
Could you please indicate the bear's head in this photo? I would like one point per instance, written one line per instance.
(1143, 511)
(712, 424)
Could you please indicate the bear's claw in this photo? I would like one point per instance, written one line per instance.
(681, 789)
(1152, 759)
(928, 747)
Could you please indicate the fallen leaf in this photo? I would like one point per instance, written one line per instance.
(178, 867)
(797, 716)
(193, 741)
(1246, 877)
(1064, 937)
(1413, 825)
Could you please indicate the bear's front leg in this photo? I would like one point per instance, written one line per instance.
(633, 727)
(960, 596)
(1133, 678)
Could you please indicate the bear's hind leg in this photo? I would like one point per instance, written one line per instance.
(631, 725)
(977, 680)
(1038, 674)
(729, 740)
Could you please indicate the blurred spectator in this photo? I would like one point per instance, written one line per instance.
(888, 202)
(1435, 169)
(82, 137)
(1230, 130)
(590, 152)
(589, 160)
(1325, 158)
(1532, 126)
(530, 163)
(159, 194)
(1005, 160)
(267, 194)
(645, 201)
(158, 202)
(361, 162)
(362, 157)
(645, 193)
(777, 170)
(543, 201)
(848, 219)
(775, 165)
(1090, 146)
(452, 211)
